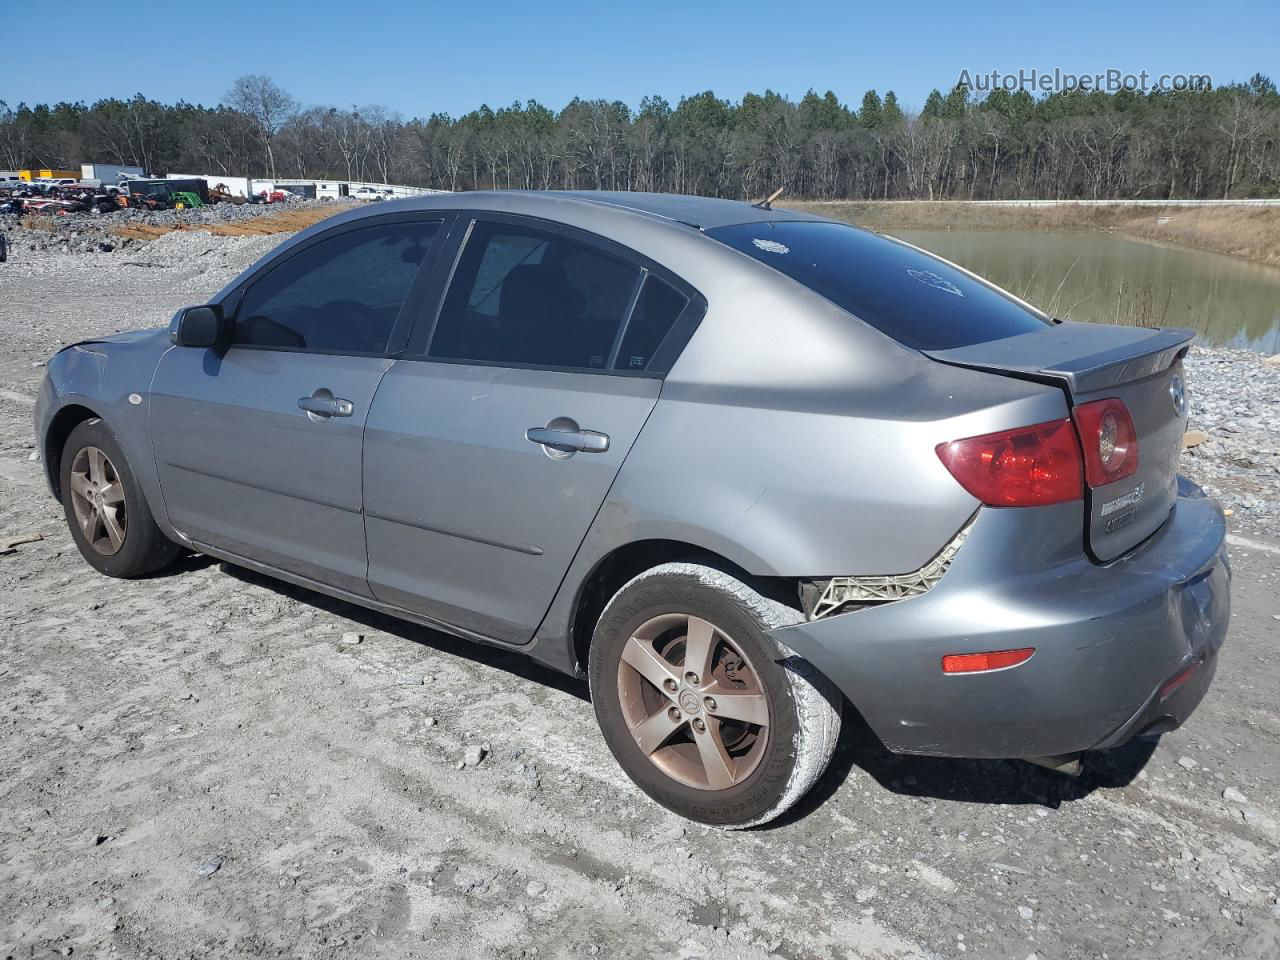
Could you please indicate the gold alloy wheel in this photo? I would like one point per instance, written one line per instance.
(97, 499)
(693, 702)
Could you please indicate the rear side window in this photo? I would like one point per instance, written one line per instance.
(341, 295)
(915, 298)
(655, 313)
(525, 297)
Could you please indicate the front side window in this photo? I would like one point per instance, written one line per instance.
(917, 299)
(341, 295)
(525, 297)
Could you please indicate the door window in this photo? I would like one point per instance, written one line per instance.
(341, 295)
(526, 297)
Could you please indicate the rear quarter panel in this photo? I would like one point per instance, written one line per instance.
(850, 485)
(797, 441)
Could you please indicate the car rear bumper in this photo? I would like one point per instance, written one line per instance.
(1124, 648)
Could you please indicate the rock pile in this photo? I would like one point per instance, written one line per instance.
(1234, 397)
(100, 232)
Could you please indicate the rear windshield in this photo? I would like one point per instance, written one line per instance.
(917, 299)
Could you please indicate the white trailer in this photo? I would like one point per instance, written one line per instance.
(109, 174)
(332, 189)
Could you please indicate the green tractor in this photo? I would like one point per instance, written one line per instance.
(185, 200)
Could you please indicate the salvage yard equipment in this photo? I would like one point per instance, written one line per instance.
(220, 194)
(159, 194)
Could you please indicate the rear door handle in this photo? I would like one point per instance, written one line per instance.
(323, 403)
(569, 441)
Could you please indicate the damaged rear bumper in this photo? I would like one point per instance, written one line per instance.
(1122, 649)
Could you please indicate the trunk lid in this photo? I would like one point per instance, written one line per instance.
(1140, 367)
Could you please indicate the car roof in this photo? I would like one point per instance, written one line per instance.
(701, 213)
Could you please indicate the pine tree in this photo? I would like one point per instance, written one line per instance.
(872, 113)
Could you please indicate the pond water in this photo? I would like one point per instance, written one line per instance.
(1102, 278)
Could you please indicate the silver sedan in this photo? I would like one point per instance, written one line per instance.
(742, 468)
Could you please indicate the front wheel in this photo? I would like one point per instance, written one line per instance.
(106, 511)
(703, 709)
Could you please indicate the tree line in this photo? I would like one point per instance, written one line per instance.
(1212, 142)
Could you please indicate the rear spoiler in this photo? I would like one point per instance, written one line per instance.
(1088, 356)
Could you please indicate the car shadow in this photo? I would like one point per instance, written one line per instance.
(511, 661)
(186, 563)
(939, 778)
(965, 781)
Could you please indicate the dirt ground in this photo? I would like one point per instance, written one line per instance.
(196, 765)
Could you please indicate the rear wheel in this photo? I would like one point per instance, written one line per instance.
(703, 709)
(109, 518)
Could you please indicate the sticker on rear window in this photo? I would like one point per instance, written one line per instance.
(931, 279)
(771, 246)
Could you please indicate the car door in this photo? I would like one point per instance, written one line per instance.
(491, 447)
(258, 447)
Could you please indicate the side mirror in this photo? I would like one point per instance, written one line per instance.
(203, 326)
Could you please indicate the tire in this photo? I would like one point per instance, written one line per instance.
(660, 623)
(110, 520)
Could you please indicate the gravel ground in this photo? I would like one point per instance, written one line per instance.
(97, 232)
(198, 764)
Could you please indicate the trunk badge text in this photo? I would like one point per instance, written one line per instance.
(1129, 499)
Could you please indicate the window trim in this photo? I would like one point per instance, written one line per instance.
(418, 347)
(418, 288)
(642, 278)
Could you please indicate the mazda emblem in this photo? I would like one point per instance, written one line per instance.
(1179, 394)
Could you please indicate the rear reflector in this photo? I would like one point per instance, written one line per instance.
(1109, 440)
(1024, 467)
(1179, 681)
(979, 662)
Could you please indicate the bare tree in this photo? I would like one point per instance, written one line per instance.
(257, 96)
(1241, 122)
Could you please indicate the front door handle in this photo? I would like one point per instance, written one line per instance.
(324, 404)
(568, 440)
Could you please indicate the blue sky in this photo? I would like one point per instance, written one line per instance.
(424, 57)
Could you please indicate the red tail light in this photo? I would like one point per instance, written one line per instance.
(1025, 467)
(1109, 440)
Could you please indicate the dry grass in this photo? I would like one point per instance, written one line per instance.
(1251, 233)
